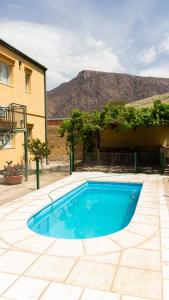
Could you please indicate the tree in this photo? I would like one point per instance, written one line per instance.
(83, 126)
(38, 150)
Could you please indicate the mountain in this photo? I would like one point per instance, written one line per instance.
(90, 90)
(164, 98)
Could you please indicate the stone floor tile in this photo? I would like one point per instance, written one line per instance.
(165, 233)
(11, 225)
(2, 251)
(6, 210)
(28, 209)
(149, 204)
(26, 288)
(153, 243)
(127, 239)
(148, 211)
(62, 292)
(91, 294)
(3, 245)
(18, 202)
(140, 258)
(94, 275)
(165, 242)
(35, 243)
(134, 282)
(164, 218)
(165, 225)
(14, 236)
(166, 270)
(143, 229)
(101, 245)
(6, 280)
(16, 261)
(133, 298)
(165, 254)
(149, 196)
(51, 268)
(165, 289)
(112, 258)
(17, 216)
(146, 219)
(164, 211)
(63, 247)
(163, 207)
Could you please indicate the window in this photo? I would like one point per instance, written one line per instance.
(27, 82)
(4, 73)
(29, 131)
(8, 145)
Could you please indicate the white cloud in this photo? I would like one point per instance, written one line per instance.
(161, 72)
(164, 44)
(64, 53)
(148, 56)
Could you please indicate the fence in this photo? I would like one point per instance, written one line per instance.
(145, 161)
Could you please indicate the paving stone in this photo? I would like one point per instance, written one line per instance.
(62, 292)
(6, 280)
(134, 282)
(141, 258)
(66, 248)
(112, 258)
(16, 261)
(91, 294)
(94, 275)
(26, 288)
(51, 268)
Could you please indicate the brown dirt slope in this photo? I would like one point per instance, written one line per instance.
(164, 98)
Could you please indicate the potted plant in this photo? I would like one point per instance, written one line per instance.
(13, 173)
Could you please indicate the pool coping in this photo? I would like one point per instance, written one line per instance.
(116, 241)
(61, 198)
(143, 227)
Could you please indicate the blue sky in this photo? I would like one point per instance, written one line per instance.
(127, 36)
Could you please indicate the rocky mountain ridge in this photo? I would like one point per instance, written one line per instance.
(90, 90)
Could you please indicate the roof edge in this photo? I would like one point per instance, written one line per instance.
(13, 49)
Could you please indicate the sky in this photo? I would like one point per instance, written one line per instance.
(68, 36)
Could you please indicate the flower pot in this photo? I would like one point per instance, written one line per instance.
(13, 179)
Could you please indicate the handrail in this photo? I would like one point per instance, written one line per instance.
(81, 180)
(10, 122)
(9, 116)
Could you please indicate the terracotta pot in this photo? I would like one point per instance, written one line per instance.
(13, 179)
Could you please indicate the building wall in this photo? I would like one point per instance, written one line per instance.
(141, 137)
(56, 144)
(15, 92)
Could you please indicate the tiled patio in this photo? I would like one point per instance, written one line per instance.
(132, 264)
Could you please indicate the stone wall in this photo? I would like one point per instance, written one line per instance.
(57, 145)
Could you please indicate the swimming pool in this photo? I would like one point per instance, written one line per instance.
(91, 210)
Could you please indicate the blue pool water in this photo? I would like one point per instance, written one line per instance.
(94, 209)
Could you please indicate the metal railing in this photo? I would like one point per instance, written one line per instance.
(12, 119)
(140, 161)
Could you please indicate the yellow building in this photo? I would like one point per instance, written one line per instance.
(22, 103)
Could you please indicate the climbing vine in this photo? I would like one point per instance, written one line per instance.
(83, 126)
